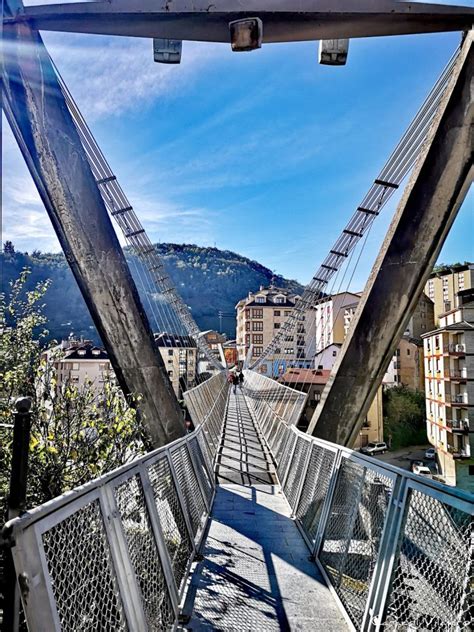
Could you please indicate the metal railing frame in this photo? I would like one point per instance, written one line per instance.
(403, 483)
(26, 532)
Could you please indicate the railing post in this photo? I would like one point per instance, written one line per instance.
(165, 559)
(303, 477)
(327, 505)
(382, 577)
(16, 504)
(182, 501)
(290, 459)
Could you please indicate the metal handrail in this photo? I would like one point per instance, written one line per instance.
(397, 553)
(157, 529)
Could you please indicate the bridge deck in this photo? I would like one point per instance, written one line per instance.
(256, 574)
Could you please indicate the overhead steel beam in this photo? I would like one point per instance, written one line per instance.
(48, 139)
(283, 20)
(437, 188)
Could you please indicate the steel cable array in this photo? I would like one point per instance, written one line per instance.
(395, 170)
(175, 314)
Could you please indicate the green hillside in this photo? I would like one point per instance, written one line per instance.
(208, 279)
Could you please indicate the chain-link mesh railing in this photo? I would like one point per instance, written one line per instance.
(433, 581)
(396, 550)
(114, 554)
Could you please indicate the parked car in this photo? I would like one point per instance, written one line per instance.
(415, 465)
(430, 453)
(422, 470)
(374, 448)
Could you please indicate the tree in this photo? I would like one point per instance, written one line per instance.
(8, 248)
(404, 417)
(77, 433)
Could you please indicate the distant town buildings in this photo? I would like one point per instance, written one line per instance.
(180, 356)
(313, 381)
(215, 341)
(330, 319)
(449, 380)
(79, 362)
(230, 353)
(443, 286)
(406, 367)
(259, 317)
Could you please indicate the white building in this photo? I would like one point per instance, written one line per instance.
(449, 386)
(179, 354)
(78, 362)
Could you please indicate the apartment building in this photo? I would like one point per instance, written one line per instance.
(79, 362)
(330, 320)
(180, 356)
(406, 366)
(443, 286)
(259, 317)
(449, 385)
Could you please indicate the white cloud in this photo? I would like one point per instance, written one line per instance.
(107, 77)
(114, 75)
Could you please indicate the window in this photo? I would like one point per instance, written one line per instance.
(431, 289)
(257, 339)
(263, 368)
(334, 354)
(287, 312)
(247, 339)
(279, 299)
(247, 326)
(277, 351)
(170, 352)
(461, 280)
(277, 313)
(257, 313)
(75, 366)
(288, 351)
(260, 299)
(257, 351)
(408, 351)
(170, 374)
(276, 325)
(247, 313)
(257, 326)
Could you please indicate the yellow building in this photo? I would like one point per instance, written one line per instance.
(443, 286)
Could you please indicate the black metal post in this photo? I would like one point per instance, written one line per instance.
(16, 504)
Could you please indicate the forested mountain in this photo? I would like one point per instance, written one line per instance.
(208, 280)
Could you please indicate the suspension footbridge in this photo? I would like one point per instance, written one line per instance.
(247, 522)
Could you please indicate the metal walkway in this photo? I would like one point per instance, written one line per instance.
(394, 548)
(256, 573)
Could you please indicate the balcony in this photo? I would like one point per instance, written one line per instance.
(459, 453)
(459, 399)
(458, 426)
(457, 349)
(458, 375)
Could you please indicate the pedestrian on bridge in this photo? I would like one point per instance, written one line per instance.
(235, 381)
(241, 378)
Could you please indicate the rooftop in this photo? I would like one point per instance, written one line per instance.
(306, 376)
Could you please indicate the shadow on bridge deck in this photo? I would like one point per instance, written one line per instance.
(256, 574)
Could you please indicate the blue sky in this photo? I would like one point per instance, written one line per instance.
(264, 153)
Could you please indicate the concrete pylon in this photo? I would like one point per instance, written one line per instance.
(437, 188)
(50, 144)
